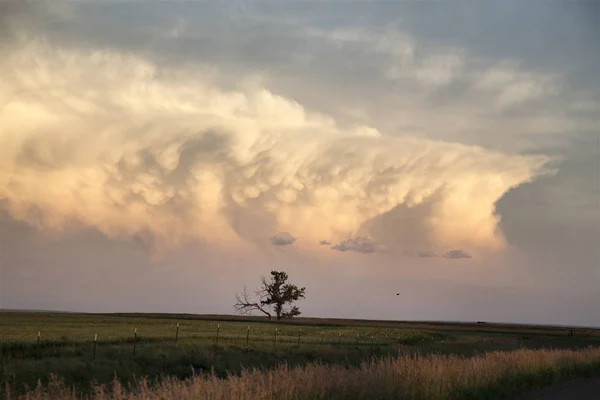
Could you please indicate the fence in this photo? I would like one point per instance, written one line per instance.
(246, 339)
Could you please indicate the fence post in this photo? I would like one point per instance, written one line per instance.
(340, 339)
(357, 338)
(371, 342)
(177, 333)
(275, 339)
(248, 338)
(218, 329)
(322, 333)
(38, 337)
(299, 333)
(134, 340)
(95, 344)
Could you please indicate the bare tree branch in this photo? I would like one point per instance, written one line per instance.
(275, 294)
(245, 306)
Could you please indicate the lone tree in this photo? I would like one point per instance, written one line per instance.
(275, 294)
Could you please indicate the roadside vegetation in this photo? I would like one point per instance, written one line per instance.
(148, 356)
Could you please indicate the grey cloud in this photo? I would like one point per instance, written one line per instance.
(282, 239)
(18, 16)
(275, 40)
(402, 227)
(457, 254)
(325, 243)
(317, 74)
(360, 244)
(421, 254)
(430, 254)
(556, 220)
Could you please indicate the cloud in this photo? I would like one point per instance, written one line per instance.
(282, 239)
(457, 254)
(457, 84)
(431, 254)
(431, 77)
(387, 41)
(434, 71)
(324, 242)
(360, 244)
(104, 139)
(512, 86)
(421, 254)
(408, 60)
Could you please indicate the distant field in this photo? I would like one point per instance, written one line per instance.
(66, 344)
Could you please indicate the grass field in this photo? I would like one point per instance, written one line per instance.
(66, 346)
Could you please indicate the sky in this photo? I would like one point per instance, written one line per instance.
(158, 156)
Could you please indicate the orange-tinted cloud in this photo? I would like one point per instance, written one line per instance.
(108, 140)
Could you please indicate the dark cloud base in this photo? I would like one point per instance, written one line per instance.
(454, 254)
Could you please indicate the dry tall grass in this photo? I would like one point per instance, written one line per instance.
(491, 375)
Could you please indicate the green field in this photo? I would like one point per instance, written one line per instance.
(226, 345)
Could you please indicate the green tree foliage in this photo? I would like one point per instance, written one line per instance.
(275, 294)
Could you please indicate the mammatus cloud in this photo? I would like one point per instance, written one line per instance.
(431, 254)
(282, 239)
(108, 140)
(360, 244)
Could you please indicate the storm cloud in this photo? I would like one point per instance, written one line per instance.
(282, 239)
(360, 245)
(456, 254)
(199, 131)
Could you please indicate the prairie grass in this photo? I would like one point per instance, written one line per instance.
(64, 359)
(491, 375)
(66, 349)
